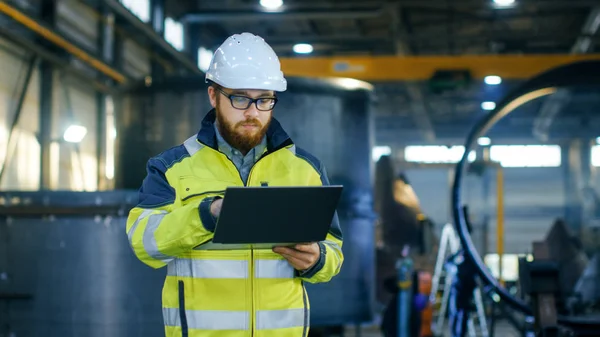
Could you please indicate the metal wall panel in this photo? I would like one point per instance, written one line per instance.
(136, 60)
(22, 172)
(79, 23)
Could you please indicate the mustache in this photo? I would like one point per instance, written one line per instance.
(252, 122)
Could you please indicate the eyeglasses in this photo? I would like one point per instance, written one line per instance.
(243, 102)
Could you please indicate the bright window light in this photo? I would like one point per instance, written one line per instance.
(139, 8)
(174, 33)
(204, 58)
(504, 2)
(492, 80)
(595, 155)
(526, 155)
(484, 141)
(379, 151)
(303, 48)
(436, 154)
(598, 140)
(271, 4)
(510, 265)
(488, 105)
(75, 134)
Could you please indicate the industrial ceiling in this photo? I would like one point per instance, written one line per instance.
(426, 58)
(420, 111)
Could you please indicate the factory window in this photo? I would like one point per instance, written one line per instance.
(510, 265)
(596, 155)
(379, 151)
(436, 154)
(140, 8)
(204, 58)
(174, 33)
(526, 155)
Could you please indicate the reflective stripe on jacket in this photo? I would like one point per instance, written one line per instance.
(224, 293)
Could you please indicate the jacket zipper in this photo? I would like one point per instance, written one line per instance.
(251, 249)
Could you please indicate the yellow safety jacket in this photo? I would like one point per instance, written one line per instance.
(233, 293)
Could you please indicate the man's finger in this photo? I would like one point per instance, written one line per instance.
(289, 252)
(304, 247)
(295, 262)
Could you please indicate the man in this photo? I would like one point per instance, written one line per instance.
(235, 292)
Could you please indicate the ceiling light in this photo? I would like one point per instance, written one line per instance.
(484, 141)
(488, 105)
(504, 2)
(303, 48)
(493, 80)
(271, 4)
(75, 133)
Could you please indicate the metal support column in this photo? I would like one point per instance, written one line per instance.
(46, 78)
(157, 9)
(572, 175)
(192, 40)
(106, 44)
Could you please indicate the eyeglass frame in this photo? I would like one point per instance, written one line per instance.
(251, 100)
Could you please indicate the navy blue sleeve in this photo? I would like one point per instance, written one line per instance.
(155, 190)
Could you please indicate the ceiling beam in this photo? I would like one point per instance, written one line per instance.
(307, 14)
(419, 68)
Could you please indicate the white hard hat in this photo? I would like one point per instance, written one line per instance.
(246, 61)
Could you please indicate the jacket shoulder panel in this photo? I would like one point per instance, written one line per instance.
(309, 157)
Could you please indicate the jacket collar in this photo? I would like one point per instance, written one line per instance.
(276, 135)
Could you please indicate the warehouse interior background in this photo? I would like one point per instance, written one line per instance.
(90, 89)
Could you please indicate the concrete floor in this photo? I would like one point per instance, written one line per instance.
(502, 329)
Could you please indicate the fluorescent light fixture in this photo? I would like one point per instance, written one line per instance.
(75, 134)
(504, 2)
(493, 80)
(303, 48)
(204, 58)
(484, 141)
(271, 4)
(351, 83)
(488, 105)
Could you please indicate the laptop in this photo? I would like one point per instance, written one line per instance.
(264, 217)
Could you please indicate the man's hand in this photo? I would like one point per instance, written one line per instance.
(215, 207)
(301, 256)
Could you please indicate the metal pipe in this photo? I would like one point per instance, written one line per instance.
(500, 220)
(586, 73)
(59, 41)
(147, 30)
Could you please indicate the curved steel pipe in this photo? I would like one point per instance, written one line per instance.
(581, 74)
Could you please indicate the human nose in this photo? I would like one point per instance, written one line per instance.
(252, 111)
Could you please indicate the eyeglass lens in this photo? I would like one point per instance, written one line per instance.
(241, 102)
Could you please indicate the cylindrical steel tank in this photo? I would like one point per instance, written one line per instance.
(324, 117)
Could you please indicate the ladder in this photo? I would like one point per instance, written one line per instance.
(440, 289)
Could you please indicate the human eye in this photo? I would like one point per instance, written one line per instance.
(240, 101)
(266, 103)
